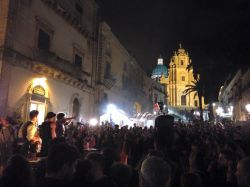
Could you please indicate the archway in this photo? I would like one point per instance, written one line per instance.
(76, 107)
(38, 98)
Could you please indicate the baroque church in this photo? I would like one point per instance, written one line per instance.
(176, 78)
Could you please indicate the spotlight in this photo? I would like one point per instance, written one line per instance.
(93, 122)
(111, 108)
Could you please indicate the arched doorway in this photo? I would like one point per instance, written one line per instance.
(38, 98)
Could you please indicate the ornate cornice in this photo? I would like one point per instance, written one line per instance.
(42, 68)
(69, 18)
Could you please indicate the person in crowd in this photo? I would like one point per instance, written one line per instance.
(47, 132)
(61, 165)
(30, 135)
(191, 180)
(98, 164)
(17, 173)
(164, 133)
(61, 123)
(109, 159)
(121, 175)
(197, 154)
(221, 174)
(154, 172)
(6, 142)
(243, 172)
(84, 173)
(89, 141)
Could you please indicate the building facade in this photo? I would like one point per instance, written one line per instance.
(159, 73)
(156, 94)
(119, 79)
(47, 57)
(235, 95)
(176, 80)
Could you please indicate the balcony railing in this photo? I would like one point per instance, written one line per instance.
(109, 80)
(52, 60)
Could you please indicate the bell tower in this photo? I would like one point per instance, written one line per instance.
(178, 78)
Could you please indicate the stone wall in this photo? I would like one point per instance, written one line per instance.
(4, 4)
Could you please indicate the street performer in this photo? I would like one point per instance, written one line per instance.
(61, 123)
(30, 136)
(47, 131)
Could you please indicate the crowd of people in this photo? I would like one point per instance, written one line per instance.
(167, 155)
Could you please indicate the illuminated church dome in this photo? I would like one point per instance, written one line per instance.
(160, 70)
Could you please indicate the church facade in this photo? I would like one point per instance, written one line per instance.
(176, 79)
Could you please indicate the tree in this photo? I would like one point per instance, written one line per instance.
(197, 87)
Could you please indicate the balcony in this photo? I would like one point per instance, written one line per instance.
(52, 60)
(109, 81)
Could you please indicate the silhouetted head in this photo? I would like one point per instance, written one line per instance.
(62, 160)
(121, 174)
(155, 172)
(243, 172)
(34, 115)
(17, 172)
(60, 116)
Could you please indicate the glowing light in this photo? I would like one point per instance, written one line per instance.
(93, 122)
(197, 113)
(214, 104)
(170, 111)
(111, 108)
(154, 112)
(40, 82)
(219, 110)
(118, 117)
(248, 108)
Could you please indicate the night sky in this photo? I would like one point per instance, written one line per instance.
(216, 33)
